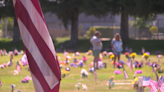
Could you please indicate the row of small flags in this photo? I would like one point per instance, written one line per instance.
(18, 68)
(130, 50)
(155, 86)
(148, 82)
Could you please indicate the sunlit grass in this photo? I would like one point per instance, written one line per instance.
(68, 83)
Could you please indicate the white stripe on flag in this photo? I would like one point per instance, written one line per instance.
(125, 74)
(162, 88)
(146, 83)
(38, 87)
(33, 49)
(153, 86)
(39, 24)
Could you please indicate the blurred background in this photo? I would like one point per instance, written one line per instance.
(72, 23)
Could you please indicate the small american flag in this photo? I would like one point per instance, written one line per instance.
(95, 75)
(18, 68)
(155, 73)
(162, 88)
(0, 83)
(153, 86)
(129, 63)
(130, 50)
(161, 84)
(146, 81)
(125, 74)
(143, 50)
(160, 81)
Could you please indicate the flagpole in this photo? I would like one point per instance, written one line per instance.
(157, 77)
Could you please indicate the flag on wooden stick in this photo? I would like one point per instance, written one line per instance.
(38, 45)
(95, 75)
(125, 73)
(0, 83)
(143, 50)
(129, 63)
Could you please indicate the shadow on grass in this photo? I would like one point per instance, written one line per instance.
(84, 45)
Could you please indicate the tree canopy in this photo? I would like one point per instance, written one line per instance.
(69, 10)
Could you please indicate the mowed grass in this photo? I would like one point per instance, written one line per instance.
(68, 83)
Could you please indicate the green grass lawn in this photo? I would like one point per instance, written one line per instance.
(68, 83)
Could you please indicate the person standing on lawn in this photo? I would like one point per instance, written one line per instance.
(97, 46)
(116, 45)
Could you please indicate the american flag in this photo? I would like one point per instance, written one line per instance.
(38, 45)
(161, 84)
(157, 77)
(162, 88)
(129, 63)
(153, 86)
(18, 68)
(146, 81)
(95, 75)
(130, 50)
(160, 81)
(125, 74)
(143, 50)
(0, 83)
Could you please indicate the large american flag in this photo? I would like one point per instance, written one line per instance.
(38, 45)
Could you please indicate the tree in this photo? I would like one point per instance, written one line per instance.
(101, 8)
(68, 11)
(10, 25)
(141, 22)
(8, 11)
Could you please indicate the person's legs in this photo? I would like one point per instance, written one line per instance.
(96, 58)
(114, 60)
(118, 57)
(96, 62)
(119, 53)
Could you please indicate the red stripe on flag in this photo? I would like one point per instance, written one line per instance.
(37, 6)
(56, 88)
(36, 71)
(48, 56)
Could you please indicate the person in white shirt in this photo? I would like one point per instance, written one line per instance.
(97, 46)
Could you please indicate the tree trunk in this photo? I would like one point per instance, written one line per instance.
(6, 20)
(16, 35)
(74, 29)
(124, 26)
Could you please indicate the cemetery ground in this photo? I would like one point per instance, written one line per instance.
(68, 83)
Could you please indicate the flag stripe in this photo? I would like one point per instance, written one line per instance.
(38, 23)
(50, 59)
(162, 88)
(37, 7)
(38, 44)
(36, 72)
(41, 63)
(38, 87)
(153, 86)
(56, 88)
